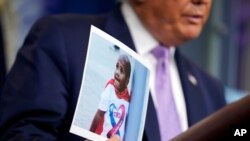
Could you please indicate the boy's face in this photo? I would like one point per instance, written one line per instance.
(120, 77)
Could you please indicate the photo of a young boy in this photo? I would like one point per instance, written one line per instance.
(112, 110)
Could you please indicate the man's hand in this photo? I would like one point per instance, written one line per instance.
(114, 138)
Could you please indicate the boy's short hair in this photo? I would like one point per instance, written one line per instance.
(125, 58)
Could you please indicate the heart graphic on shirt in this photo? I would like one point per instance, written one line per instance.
(118, 114)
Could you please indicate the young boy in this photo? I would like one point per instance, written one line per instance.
(112, 111)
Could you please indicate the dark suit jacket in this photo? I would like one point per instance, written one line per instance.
(40, 95)
(2, 58)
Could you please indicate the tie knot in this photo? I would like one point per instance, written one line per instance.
(161, 52)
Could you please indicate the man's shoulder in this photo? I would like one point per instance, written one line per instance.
(72, 20)
(69, 27)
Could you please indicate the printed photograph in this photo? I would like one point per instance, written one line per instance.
(114, 91)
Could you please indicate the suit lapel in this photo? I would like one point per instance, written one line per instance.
(151, 125)
(192, 89)
(117, 28)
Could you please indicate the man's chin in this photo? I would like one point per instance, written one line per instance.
(192, 32)
(188, 36)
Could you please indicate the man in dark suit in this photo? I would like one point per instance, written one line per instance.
(41, 91)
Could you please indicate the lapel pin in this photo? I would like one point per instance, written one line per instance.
(192, 79)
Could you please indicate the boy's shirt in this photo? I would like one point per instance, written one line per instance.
(116, 112)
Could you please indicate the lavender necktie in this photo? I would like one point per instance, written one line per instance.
(166, 111)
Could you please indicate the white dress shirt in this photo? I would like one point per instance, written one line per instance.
(144, 44)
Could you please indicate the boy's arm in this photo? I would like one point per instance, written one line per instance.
(98, 117)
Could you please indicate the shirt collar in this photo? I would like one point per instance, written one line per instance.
(143, 40)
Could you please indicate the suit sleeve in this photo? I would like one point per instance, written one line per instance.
(34, 98)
